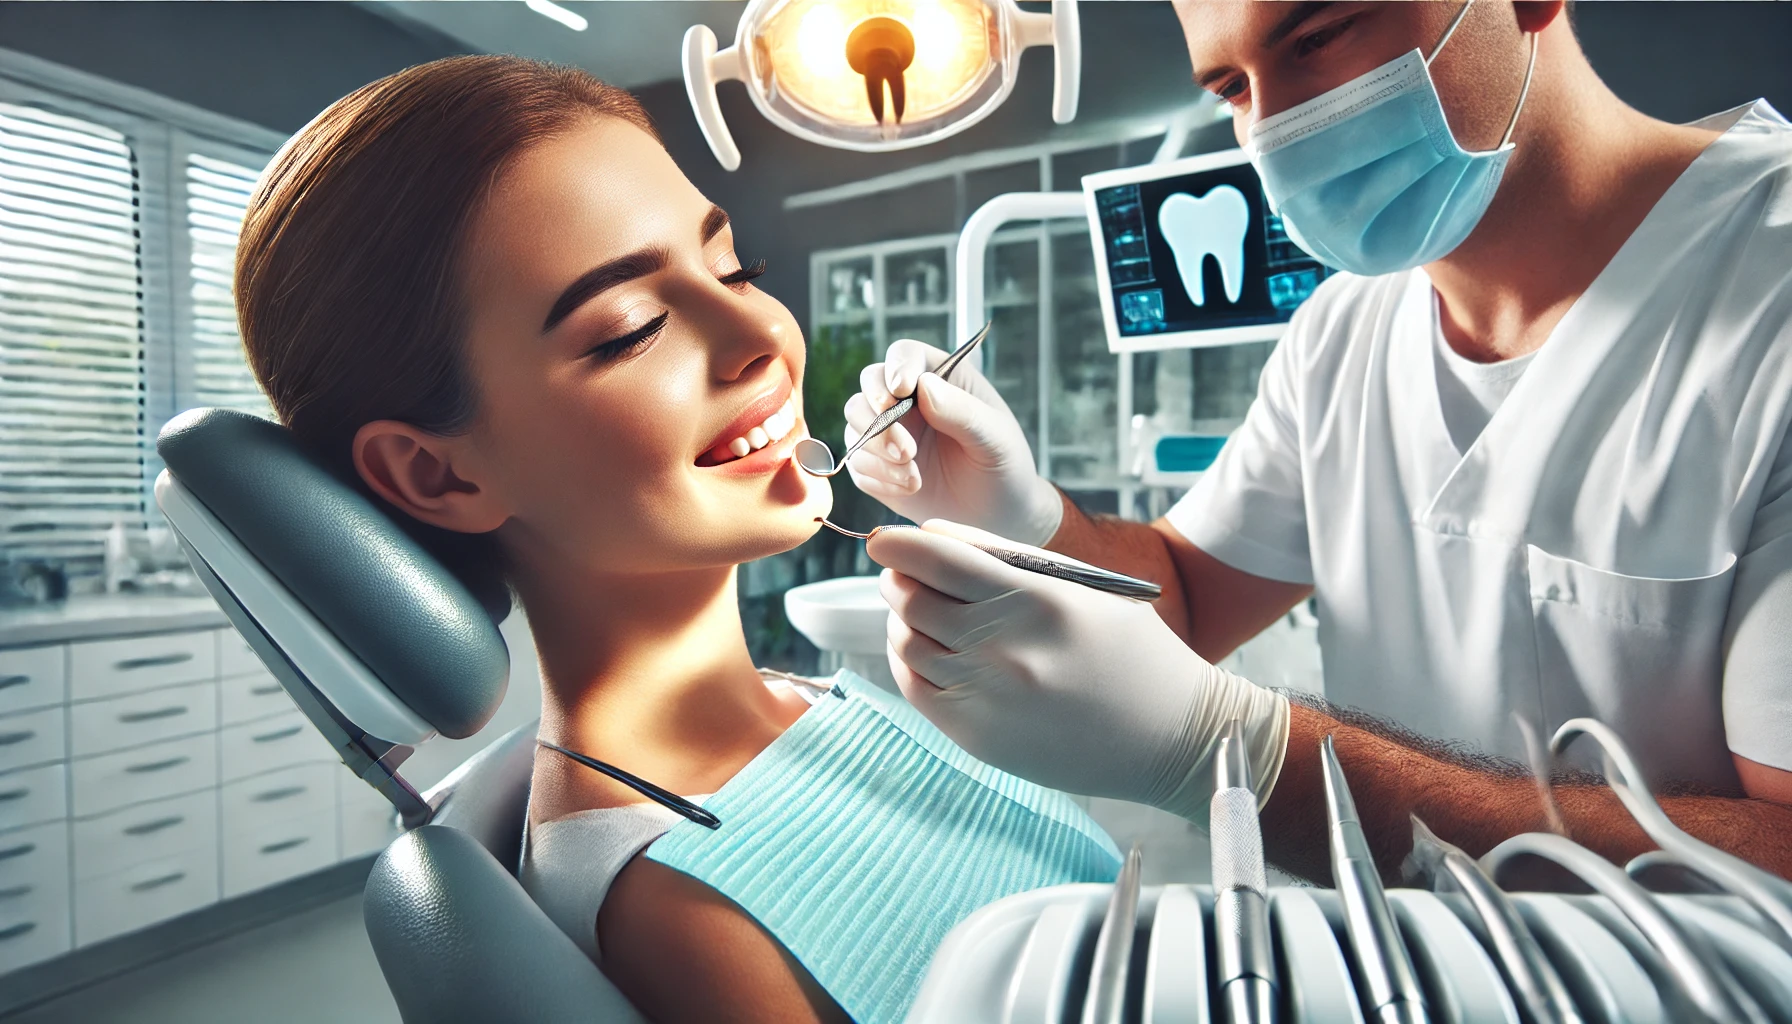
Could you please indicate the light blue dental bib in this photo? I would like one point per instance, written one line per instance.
(862, 835)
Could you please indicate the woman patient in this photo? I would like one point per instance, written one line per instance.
(483, 289)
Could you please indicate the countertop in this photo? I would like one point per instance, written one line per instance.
(86, 618)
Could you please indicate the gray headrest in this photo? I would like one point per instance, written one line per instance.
(374, 587)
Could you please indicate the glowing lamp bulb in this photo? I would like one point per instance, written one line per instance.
(881, 49)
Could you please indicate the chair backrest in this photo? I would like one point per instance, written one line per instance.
(375, 641)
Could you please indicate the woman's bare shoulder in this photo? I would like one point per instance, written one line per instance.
(680, 950)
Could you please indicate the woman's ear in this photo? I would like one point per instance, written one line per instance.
(431, 478)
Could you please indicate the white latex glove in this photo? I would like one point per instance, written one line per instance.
(959, 455)
(1070, 687)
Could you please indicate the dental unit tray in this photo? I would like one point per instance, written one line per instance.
(1027, 959)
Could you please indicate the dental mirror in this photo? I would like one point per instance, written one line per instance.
(814, 457)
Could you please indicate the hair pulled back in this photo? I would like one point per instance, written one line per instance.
(348, 262)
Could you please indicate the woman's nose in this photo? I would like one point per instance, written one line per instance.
(746, 338)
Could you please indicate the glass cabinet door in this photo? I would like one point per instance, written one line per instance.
(1011, 301)
(1083, 396)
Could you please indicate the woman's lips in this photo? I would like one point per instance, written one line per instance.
(781, 423)
(758, 460)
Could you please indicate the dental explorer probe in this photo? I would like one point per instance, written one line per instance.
(814, 457)
(1057, 567)
(1247, 963)
(1391, 987)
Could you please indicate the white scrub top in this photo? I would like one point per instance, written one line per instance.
(1607, 532)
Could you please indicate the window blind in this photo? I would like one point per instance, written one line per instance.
(71, 330)
(218, 192)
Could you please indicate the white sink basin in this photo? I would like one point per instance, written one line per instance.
(844, 615)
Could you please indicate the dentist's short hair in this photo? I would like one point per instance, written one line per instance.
(348, 263)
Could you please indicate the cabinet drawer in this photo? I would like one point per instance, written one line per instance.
(276, 796)
(117, 723)
(280, 741)
(106, 668)
(111, 781)
(247, 698)
(235, 656)
(367, 827)
(34, 893)
(32, 737)
(258, 857)
(34, 796)
(139, 896)
(33, 677)
(145, 832)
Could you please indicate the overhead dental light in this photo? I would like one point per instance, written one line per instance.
(877, 75)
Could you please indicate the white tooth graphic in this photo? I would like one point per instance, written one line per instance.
(1213, 225)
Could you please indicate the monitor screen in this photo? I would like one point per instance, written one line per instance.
(1187, 254)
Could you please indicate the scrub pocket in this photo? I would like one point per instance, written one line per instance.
(1641, 654)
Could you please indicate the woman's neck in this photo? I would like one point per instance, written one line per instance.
(652, 674)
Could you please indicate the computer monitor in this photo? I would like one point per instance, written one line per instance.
(1188, 254)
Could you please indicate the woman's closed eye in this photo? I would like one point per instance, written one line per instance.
(634, 341)
(744, 274)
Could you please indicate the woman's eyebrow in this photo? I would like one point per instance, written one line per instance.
(622, 270)
(603, 277)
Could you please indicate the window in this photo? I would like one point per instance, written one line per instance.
(119, 214)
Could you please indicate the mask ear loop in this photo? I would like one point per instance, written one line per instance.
(1523, 91)
(1448, 32)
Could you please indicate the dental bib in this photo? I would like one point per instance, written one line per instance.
(862, 835)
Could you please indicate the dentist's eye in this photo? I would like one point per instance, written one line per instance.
(1233, 91)
(634, 341)
(744, 274)
(1313, 42)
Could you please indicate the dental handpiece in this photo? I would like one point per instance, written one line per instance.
(1247, 964)
(1391, 986)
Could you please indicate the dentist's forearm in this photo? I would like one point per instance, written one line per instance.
(1476, 806)
(1210, 605)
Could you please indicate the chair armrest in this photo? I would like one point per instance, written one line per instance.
(459, 940)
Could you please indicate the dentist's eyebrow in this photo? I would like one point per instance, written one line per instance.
(1293, 20)
(623, 270)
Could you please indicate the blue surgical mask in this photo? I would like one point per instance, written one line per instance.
(1369, 178)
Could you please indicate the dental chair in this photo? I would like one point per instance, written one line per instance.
(382, 648)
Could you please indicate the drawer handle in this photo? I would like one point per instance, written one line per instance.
(153, 661)
(156, 766)
(285, 844)
(16, 891)
(156, 883)
(278, 794)
(171, 711)
(278, 734)
(7, 739)
(15, 794)
(16, 930)
(17, 851)
(266, 690)
(7, 682)
(155, 826)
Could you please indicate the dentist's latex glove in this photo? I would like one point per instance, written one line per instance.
(959, 455)
(1070, 687)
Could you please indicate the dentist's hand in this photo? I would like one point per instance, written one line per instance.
(959, 455)
(1069, 687)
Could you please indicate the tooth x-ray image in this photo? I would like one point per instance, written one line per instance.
(1189, 254)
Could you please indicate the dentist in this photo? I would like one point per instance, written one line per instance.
(1529, 453)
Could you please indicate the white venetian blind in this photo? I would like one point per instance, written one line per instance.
(71, 336)
(218, 192)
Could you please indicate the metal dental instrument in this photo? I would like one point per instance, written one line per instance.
(1113, 946)
(1770, 896)
(1247, 962)
(1702, 982)
(1542, 996)
(1090, 576)
(1391, 987)
(814, 456)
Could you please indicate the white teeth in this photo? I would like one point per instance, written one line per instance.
(776, 427)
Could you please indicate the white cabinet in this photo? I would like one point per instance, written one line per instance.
(147, 776)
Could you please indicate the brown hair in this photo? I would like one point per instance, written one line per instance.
(347, 266)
